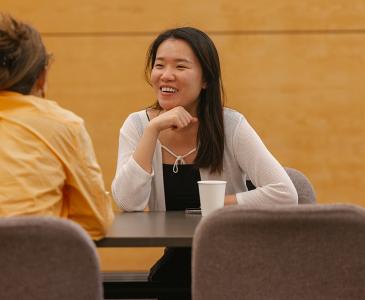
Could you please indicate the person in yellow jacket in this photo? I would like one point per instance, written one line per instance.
(47, 163)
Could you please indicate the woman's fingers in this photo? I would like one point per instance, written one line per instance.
(184, 118)
(176, 118)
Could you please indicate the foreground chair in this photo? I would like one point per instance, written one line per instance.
(295, 252)
(47, 258)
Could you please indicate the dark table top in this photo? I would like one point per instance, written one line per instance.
(151, 229)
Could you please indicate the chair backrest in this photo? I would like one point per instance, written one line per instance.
(305, 190)
(47, 258)
(298, 253)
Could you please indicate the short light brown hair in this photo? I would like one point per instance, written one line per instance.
(22, 55)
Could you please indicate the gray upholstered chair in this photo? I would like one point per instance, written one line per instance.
(305, 190)
(47, 258)
(293, 252)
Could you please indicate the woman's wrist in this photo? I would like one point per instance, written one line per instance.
(152, 129)
(230, 199)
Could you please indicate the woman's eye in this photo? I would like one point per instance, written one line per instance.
(158, 66)
(181, 67)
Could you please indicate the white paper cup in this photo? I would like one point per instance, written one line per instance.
(211, 194)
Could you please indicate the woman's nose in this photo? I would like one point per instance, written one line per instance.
(168, 74)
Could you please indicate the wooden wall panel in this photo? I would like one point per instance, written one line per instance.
(128, 259)
(213, 15)
(102, 80)
(303, 94)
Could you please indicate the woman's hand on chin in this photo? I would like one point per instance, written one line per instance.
(175, 118)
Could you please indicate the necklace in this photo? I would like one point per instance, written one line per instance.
(179, 158)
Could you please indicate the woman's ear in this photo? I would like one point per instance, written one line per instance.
(204, 85)
(40, 86)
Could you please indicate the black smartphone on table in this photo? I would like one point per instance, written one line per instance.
(193, 211)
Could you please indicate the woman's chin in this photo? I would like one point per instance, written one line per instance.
(166, 106)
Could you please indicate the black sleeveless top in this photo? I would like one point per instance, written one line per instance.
(181, 188)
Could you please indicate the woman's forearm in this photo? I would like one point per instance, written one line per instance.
(145, 149)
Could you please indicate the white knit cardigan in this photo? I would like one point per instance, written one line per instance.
(245, 156)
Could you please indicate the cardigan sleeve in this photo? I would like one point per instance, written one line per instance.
(273, 185)
(131, 185)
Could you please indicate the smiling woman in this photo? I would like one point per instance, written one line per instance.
(187, 136)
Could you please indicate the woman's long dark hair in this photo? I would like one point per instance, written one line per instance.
(210, 137)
